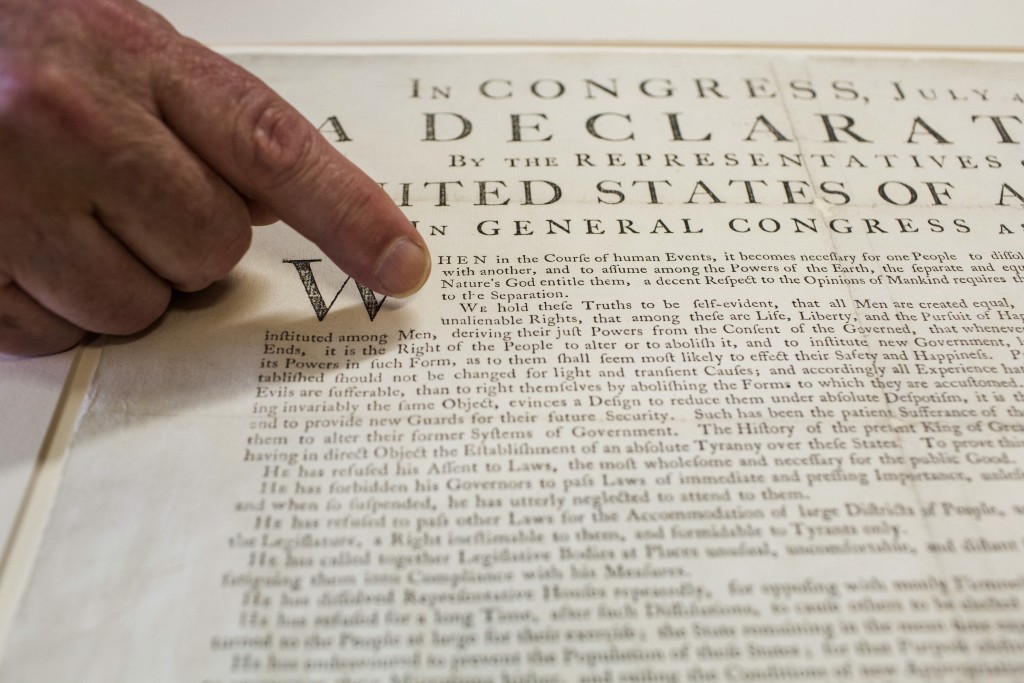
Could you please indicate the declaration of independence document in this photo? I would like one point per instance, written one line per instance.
(718, 377)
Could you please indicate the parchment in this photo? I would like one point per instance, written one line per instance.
(715, 379)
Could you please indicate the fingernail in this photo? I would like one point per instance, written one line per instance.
(404, 268)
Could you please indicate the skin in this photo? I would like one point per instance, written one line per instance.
(134, 161)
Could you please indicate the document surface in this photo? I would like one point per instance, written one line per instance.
(33, 389)
(718, 377)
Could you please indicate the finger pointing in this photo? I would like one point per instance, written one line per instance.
(268, 152)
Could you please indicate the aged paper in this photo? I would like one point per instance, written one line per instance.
(718, 378)
(31, 388)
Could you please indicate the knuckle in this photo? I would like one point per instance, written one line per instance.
(26, 91)
(16, 342)
(203, 232)
(229, 242)
(136, 29)
(135, 314)
(28, 330)
(260, 215)
(225, 234)
(38, 101)
(272, 140)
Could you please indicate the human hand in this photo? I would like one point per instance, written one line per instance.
(133, 161)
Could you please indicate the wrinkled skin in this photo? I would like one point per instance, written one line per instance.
(134, 161)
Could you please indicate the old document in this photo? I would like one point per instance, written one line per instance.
(719, 377)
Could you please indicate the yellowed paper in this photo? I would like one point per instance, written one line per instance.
(717, 379)
(31, 389)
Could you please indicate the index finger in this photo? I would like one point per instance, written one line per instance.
(270, 153)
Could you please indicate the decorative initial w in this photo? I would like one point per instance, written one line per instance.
(370, 301)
